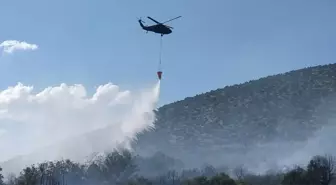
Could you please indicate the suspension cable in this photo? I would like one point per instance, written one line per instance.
(160, 54)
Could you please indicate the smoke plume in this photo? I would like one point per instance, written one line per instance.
(65, 122)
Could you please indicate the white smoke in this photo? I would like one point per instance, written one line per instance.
(32, 121)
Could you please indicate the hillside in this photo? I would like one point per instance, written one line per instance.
(262, 124)
(278, 109)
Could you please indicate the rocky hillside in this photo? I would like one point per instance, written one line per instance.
(282, 108)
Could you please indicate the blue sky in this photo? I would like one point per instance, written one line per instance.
(215, 43)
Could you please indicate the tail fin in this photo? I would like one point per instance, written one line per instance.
(140, 22)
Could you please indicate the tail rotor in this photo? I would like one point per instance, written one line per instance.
(140, 20)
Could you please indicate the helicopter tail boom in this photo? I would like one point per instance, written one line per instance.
(141, 23)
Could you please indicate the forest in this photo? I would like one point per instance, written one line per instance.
(123, 167)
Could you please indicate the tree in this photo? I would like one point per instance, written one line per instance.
(1, 177)
(29, 176)
(297, 176)
(172, 177)
(191, 173)
(94, 173)
(240, 172)
(321, 169)
(140, 181)
(222, 179)
(201, 180)
(119, 166)
(209, 171)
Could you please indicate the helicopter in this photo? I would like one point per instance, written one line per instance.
(158, 27)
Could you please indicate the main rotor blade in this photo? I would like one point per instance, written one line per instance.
(172, 19)
(157, 22)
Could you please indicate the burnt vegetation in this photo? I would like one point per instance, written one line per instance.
(124, 168)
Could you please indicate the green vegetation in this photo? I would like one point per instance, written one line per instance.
(123, 168)
(1, 177)
(275, 107)
(284, 108)
(228, 121)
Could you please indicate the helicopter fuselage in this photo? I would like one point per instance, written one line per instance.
(158, 28)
